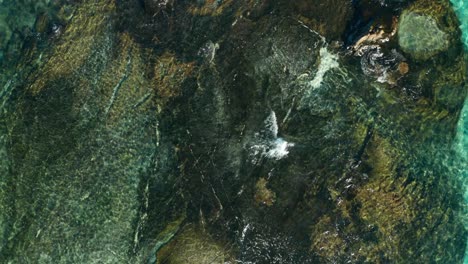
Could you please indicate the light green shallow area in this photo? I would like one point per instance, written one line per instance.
(461, 8)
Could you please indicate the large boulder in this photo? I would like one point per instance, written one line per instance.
(427, 28)
(420, 36)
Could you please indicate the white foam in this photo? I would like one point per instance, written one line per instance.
(244, 232)
(328, 61)
(269, 145)
(279, 149)
(271, 124)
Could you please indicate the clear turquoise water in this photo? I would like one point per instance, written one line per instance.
(461, 7)
(463, 152)
(463, 148)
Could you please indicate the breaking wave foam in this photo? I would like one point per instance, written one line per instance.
(269, 145)
(328, 61)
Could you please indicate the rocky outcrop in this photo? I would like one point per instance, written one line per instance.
(420, 36)
(329, 18)
(427, 28)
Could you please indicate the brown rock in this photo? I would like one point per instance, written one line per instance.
(329, 18)
(263, 195)
(403, 68)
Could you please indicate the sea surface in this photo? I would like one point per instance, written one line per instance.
(125, 161)
(461, 8)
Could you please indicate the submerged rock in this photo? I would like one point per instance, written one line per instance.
(263, 195)
(420, 36)
(22, 20)
(329, 18)
(428, 29)
(194, 245)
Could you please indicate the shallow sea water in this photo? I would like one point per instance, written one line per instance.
(461, 8)
(126, 166)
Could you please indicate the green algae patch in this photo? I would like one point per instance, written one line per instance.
(396, 207)
(85, 31)
(90, 90)
(383, 202)
(169, 75)
(390, 211)
(326, 241)
(209, 7)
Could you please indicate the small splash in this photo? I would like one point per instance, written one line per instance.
(271, 124)
(280, 149)
(244, 232)
(328, 61)
(269, 145)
